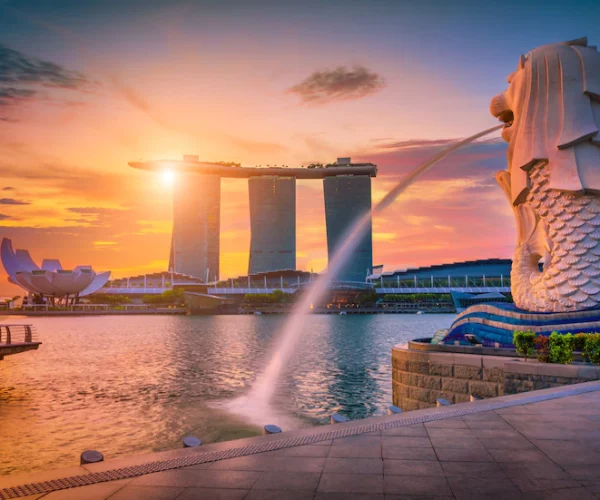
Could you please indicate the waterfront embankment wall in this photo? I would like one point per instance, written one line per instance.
(421, 377)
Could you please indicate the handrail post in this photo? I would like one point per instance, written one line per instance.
(28, 333)
(8, 339)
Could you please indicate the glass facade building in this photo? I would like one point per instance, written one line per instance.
(196, 225)
(348, 197)
(272, 224)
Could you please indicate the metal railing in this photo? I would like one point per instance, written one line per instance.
(17, 334)
(467, 281)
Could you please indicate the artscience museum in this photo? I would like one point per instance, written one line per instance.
(49, 281)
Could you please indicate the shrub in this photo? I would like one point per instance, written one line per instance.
(579, 341)
(560, 348)
(524, 343)
(592, 347)
(541, 348)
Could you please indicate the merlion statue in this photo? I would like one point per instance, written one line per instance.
(552, 115)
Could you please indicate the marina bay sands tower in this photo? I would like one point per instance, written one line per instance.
(196, 225)
(272, 193)
(272, 223)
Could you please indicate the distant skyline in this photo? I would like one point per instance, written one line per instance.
(86, 87)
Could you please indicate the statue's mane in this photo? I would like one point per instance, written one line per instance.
(559, 118)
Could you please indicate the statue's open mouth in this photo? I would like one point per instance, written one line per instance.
(507, 117)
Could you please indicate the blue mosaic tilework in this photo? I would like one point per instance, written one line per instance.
(494, 323)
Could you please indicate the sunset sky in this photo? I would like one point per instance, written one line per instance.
(86, 86)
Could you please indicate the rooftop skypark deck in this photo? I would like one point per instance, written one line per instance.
(234, 171)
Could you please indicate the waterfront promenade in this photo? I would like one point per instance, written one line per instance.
(542, 444)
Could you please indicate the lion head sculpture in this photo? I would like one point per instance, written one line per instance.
(552, 114)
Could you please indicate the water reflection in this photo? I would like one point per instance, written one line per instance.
(127, 385)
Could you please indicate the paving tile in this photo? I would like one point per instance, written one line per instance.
(279, 495)
(300, 451)
(251, 462)
(362, 439)
(592, 485)
(354, 465)
(205, 466)
(447, 432)
(519, 443)
(488, 416)
(412, 467)
(200, 479)
(536, 471)
(326, 442)
(463, 455)
(348, 496)
(402, 452)
(537, 431)
(212, 494)
(416, 485)
(496, 433)
(488, 489)
(349, 483)
(355, 451)
(488, 424)
(287, 481)
(407, 441)
(411, 430)
(574, 457)
(519, 456)
(526, 485)
(296, 464)
(92, 492)
(582, 471)
(130, 492)
(419, 497)
(447, 424)
(452, 442)
(593, 443)
(270, 463)
(562, 494)
(524, 419)
(474, 469)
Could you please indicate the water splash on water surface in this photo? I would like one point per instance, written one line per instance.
(257, 406)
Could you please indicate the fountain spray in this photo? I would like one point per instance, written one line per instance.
(257, 402)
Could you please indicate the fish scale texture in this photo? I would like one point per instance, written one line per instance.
(571, 280)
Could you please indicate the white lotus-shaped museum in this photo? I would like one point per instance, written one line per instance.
(50, 279)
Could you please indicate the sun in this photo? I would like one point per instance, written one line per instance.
(168, 177)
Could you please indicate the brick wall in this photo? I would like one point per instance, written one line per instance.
(420, 377)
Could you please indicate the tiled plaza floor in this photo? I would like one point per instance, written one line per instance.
(549, 449)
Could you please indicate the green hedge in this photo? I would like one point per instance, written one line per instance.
(277, 297)
(557, 347)
(417, 297)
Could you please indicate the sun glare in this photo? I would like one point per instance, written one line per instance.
(168, 177)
